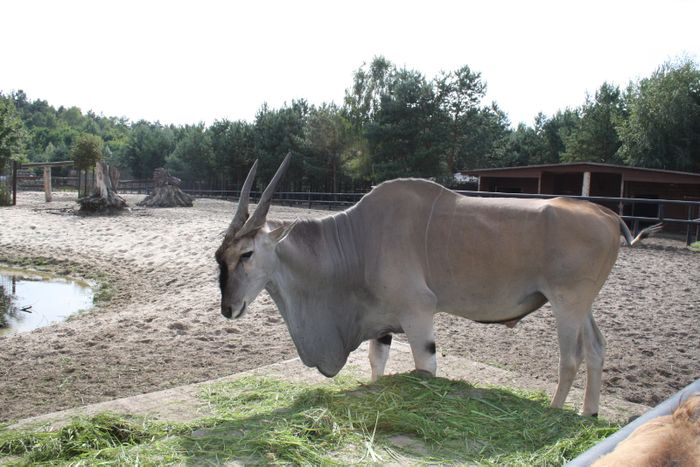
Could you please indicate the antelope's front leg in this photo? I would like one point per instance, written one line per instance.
(378, 355)
(419, 331)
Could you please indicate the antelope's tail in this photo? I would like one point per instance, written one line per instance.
(625, 231)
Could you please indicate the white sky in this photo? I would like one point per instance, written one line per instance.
(202, 60)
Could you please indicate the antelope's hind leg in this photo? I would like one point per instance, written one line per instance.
(594, 353)
(579, 338)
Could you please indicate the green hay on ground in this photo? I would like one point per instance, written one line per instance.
(102, 438)
(403, 418)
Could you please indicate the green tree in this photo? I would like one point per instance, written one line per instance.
(72, 116)
(192, 157)
(404, 136)
(51, 132)
(12, 133)
(361, 104)
(595, 138)
(541, 144)
(48, 154)
(148, 146)
(327, 137)
(115, 133)
(421, 128)
(86, 151)
(370, 83)
(357, 163)
(518, 148)
(275, 133)
(485, 130)
(554, 132)
(459, 97)
(663, 127)
(233, 150)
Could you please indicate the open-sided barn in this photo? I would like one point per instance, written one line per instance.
(595, 179)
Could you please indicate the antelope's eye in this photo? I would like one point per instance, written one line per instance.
(247, 255)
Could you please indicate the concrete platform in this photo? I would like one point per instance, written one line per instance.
(183, 404)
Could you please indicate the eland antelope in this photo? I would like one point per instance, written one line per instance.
(411, 248)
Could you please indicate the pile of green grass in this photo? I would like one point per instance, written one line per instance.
(695, 246)
(404, 419)
(105, 438)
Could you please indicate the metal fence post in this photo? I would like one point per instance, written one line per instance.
(690, 226)
(14, 183)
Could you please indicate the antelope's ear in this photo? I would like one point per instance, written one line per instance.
(280, 233)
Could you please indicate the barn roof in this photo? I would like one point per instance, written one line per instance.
(630, 173)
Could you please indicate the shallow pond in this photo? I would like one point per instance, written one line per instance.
(30, 300)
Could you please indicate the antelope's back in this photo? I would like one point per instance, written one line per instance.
(470, 249)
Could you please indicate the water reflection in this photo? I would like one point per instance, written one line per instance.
(29, 301)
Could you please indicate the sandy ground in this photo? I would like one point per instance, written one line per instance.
(162, 327)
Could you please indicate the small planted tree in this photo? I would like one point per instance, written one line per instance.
(87, 153)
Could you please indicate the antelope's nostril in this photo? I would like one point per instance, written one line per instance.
(227, 311)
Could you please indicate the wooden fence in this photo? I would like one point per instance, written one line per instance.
(621, 205)
(333, 201)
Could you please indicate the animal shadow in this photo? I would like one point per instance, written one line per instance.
(403, 418)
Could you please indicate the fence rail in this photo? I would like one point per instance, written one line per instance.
(343, 200)
(292, 198)
(692, 221)
(333, 201)
(135, 186)
(309, 199)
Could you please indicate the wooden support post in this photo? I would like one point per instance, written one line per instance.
(621, 208)
(586, 188)
(47, 183)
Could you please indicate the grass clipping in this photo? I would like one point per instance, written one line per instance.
(403, 418)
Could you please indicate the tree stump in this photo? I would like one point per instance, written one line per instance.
(104, 197)
(166, 192)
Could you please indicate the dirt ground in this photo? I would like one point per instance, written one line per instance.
(161, 326)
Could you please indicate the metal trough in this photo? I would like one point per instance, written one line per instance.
(608, 444)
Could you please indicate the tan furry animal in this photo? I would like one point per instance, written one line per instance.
(671, 440)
